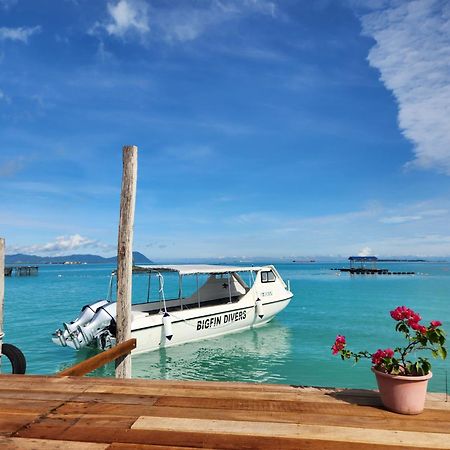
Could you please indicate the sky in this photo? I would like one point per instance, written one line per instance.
(278, 129)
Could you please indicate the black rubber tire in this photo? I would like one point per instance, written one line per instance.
(16, 358)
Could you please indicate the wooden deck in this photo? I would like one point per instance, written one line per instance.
(93, 413)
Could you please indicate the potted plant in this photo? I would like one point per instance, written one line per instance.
(402, 382)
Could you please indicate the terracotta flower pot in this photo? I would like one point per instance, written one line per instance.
(404, 395)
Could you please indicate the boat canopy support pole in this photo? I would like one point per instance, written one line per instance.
(109, 293)
(180, 289)
(198, 293)
(148, 287)
(229, 287)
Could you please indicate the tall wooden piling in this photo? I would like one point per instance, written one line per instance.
(2, 287)
(125, 256)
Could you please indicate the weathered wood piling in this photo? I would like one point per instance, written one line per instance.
(125, 256)
(2, 288)
(20, 271)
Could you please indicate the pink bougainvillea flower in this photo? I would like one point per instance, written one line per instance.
(379, 355)
(422, 329)
(418, 336)
(339, 344)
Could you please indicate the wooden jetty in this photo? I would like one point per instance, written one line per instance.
(51, 412)
(21, 271)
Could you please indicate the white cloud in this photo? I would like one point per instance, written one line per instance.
(176, 23)
(125, 18)
(21, 34)
(400, 219)
(63, 244)
(412, 53)
(366, 251)
(189, 21)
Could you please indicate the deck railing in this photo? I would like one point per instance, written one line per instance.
(99, 360)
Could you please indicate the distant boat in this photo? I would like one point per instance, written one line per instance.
(223, 304)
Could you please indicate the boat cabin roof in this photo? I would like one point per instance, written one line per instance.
(194, 269)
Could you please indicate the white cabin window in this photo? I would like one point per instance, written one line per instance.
(268, 277)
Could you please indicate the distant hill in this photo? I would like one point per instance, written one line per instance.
(20, 258)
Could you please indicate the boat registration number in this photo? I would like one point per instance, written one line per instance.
(266, 294)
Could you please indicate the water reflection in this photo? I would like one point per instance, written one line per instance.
(251, 355)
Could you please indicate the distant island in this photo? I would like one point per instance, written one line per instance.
(20, 258)
(403, 260)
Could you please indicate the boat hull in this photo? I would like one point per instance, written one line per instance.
(203, 323)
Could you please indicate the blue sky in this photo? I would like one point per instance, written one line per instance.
(265, 128)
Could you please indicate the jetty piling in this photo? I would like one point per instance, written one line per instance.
(2, 287)
(20, 271)
(125, 256)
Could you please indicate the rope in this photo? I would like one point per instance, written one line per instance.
(161, 291)
(109, 293)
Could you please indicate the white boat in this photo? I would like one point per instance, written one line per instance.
(223, 304)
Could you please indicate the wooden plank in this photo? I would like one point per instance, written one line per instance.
(35, 395)
(27, 406)
(129, 446)
(322, 395)
(99, 360)
(10, 423)
(125, 255)
(388, 422)
(320, 432)
(105, 408)
(203, 440)
(12, 443)
(65, 421)
(338, 408)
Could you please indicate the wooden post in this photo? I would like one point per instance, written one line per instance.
(2, 287)
(125, 256)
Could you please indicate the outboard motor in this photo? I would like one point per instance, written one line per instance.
(86, 314)
(85, 334)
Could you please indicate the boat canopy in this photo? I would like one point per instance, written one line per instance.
(196, 269)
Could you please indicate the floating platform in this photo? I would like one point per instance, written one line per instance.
(42, 412)
(366, 271)
(21, 271)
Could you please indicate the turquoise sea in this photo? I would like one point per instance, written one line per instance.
(293, 349)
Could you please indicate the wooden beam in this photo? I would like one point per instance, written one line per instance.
(99, 360)
(125, 255)
(2, 287)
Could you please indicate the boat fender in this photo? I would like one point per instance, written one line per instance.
(259, 308)
(167, 323)
(16, 358)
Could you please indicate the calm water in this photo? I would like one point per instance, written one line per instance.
(293, 349)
